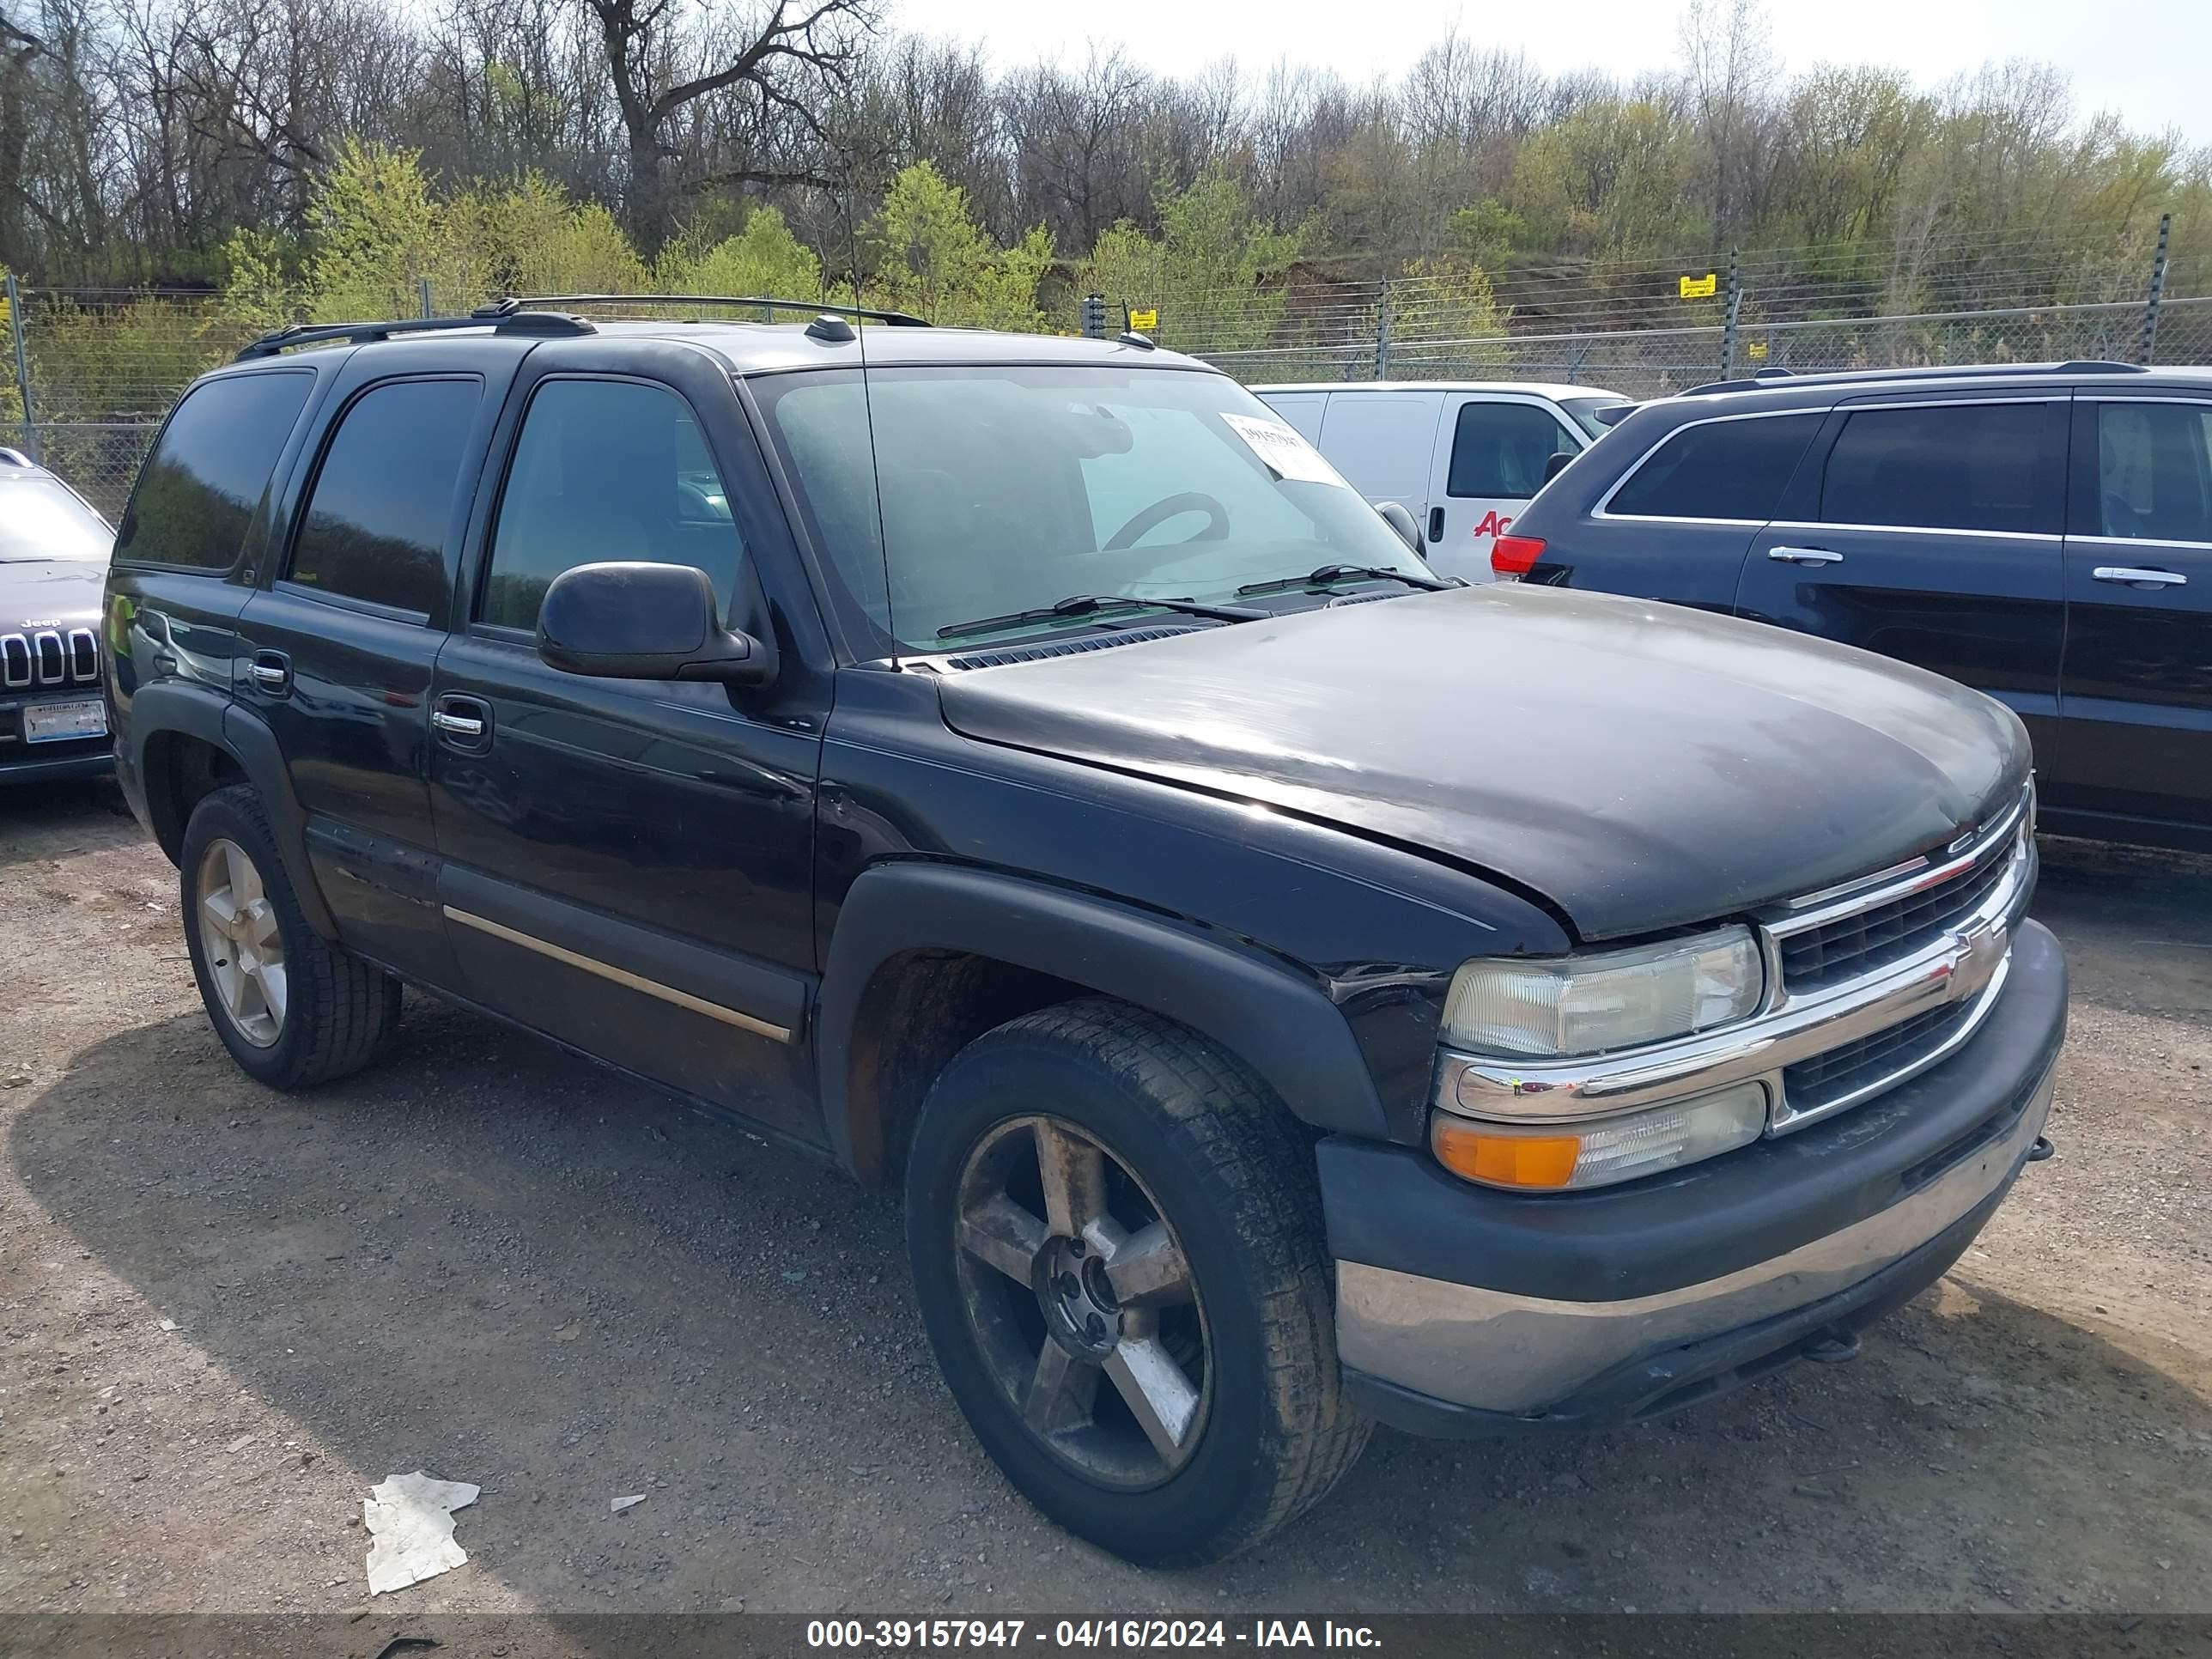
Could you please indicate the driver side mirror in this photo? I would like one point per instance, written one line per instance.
(1409, 530)
(644, 622)
(1558, 464)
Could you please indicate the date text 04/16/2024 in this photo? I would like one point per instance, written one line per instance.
(865, 1634)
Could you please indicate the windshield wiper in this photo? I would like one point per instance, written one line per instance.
(1329, 574)
(1093, 605)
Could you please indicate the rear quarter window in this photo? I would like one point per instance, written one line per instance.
(1718, 470)
(199, 490)
(376, 520)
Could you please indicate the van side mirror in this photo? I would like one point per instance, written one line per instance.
(1558, 464)
(1409, 530)
(643, 621)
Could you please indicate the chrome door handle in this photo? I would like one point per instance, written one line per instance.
(2138, 578)
(1804, 556)
(271, 670)
(458, 725)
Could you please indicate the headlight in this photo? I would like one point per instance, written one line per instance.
(1566, 1156)
(1594, 1003)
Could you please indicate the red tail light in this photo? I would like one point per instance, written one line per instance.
(1513, 556)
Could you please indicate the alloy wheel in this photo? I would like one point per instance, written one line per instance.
(1082, 1302)
(241, 941)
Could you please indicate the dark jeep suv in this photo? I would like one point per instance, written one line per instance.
(2040, 531)
(1291, 991)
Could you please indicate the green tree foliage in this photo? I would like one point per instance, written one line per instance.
(375, 232)
(1610, 179)
(529, 238)
(1210, 271)
(1457, 302)
(1252, 216)
(933, 259)
(762, 257)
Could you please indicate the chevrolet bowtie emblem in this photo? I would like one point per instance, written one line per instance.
(1978, 954)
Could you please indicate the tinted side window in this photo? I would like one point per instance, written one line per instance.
(606, 470)
(1985, 467)
(1501, 449)
(200, 487)
(376, 518)
(1722, 470)
(2154, 472)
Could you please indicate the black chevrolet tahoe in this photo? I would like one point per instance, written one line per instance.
(1292, 990)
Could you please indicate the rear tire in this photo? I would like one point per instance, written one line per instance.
(1171, 1413)
(294, 1009)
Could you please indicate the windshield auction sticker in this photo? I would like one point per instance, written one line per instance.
(1287, 455)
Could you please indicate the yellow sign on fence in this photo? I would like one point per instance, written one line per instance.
(1755, 349)
(1144, 321)
(1701, 288)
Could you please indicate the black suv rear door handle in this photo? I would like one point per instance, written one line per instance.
(272, 672)
(462, 723)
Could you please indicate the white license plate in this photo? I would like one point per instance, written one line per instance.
(56, 722)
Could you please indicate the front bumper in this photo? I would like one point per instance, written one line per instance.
(17, 768)
(1466, 1311)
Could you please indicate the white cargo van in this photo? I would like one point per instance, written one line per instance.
(1462, 457)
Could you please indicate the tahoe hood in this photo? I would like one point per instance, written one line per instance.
(1641, 765)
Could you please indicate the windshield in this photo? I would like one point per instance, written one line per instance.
(1583, 412)
(41, 519)
(1007, 490)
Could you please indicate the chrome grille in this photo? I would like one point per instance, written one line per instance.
(49, 658)
(1856, 944)
(1839, 942)
(1818, 1083)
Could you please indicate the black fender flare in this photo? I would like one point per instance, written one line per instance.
(1281, 1025)
(196, 711)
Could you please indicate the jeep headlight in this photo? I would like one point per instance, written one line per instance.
(1596, 1002)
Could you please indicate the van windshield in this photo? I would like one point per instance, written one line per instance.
(1584, 411)
(1007, 489)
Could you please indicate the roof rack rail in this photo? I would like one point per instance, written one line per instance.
(502, 317)
(1961, 371)
(811, 307)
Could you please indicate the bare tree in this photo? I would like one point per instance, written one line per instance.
(20, 50)
(1732, 82)
(663, 60)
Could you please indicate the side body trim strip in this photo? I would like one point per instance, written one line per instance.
(622, 976)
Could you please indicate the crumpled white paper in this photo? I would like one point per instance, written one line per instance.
(409, 1519)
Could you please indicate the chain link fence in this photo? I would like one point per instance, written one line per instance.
(92, 373)
(1652, 363)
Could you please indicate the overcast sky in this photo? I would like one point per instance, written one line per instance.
(2151, 60)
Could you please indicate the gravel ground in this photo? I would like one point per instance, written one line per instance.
(226, 1313)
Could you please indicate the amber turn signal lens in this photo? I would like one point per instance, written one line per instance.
(1539, 1163)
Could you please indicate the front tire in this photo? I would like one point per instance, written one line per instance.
(294, 1009)
(1118, 1252)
